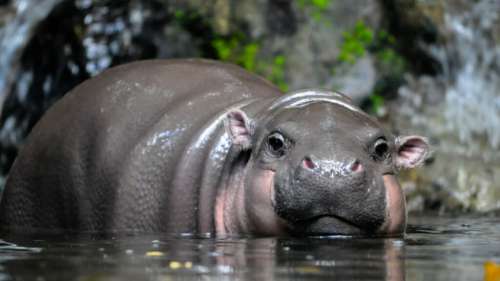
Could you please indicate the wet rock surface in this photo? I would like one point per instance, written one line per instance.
(459, 109)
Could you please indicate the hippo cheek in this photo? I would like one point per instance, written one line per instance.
(395, 222)
(260, 204)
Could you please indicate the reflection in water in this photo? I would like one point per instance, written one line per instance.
(166, 257)
(447, 249)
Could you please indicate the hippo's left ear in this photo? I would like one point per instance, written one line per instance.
(240, 128)
(411, 151)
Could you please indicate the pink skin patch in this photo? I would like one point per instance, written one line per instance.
(260, 206)
(356, 167)
(220, 229)
(396, 207)
(239, 128)
(412, 151)
(249, 208)
(308, 163)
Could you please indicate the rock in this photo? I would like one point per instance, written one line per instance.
(359, 80)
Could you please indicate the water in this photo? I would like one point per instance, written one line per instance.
(446, 249)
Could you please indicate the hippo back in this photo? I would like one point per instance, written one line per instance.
(136, 148)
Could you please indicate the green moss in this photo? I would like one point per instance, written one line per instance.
(179, 15)
(278, 72)
(223, 48)
(362, 39)
(391, 61)
(238, 49)
(384, 37)
(355, 43)
(319, 5)
(317, 9)
(377, 103)
(248, 56)
(391, 66)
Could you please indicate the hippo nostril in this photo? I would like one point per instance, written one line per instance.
(356, 167)
(308, 163)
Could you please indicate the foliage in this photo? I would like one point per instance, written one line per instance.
(317, 8)
(390, 61)
(238, 49)
(232, 49)
(377, 103)
(361, 40)
(277, 74)
(355, 43)
(235, 47)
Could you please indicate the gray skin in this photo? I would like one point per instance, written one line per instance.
(200, 146)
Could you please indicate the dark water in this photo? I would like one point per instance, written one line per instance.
(434, 249)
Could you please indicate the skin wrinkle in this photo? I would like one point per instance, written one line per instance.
(209, 128)
(237, 205)
(226, 215)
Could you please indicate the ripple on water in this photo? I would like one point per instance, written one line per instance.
(434, 248)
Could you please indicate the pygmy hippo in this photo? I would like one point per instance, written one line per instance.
(205, 147)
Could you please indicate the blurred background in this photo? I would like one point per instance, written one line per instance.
(429, 67)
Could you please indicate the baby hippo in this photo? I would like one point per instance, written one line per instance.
(200, 146)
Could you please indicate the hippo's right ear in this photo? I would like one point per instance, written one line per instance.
(240, 128)
(411, 151)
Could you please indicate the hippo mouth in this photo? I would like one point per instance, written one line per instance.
(328, 225)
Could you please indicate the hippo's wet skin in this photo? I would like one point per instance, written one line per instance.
(200, 146)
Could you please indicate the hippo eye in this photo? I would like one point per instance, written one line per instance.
(276, 144)
(381, 148)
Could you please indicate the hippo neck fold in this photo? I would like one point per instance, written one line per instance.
(229, 204)
(224, 170)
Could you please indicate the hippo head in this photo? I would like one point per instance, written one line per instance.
(318, 165)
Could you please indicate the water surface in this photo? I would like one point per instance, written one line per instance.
(435, 248)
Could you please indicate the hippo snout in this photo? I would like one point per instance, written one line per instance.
(351, 167)
(335, 197)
